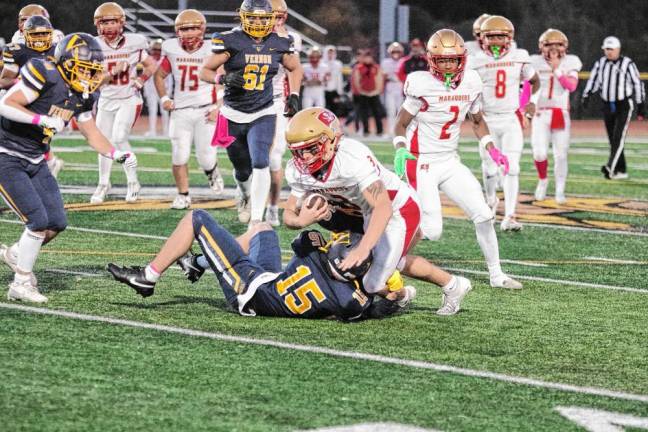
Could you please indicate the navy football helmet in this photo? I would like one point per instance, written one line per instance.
(257, 17)
(38, 33)
(336, 251)
(80, 61)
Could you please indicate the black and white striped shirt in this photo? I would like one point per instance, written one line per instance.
(616, 80)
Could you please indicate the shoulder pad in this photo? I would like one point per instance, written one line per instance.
(412, 85)
(522, 55)
(14, 46)
(34, 74)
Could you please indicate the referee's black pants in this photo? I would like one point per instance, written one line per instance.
(617, 117)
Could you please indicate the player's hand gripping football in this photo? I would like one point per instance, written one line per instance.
(314, 209)
(499, 158)
(401, 157)
(54, 124)
(126, 158)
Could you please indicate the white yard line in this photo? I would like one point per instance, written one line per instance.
(593, 391)
(524, 263)
(615, 261)
(286, 251)
(75, 273)
(556, 281)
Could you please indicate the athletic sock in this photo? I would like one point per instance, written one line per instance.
(29, 246)
(260, 188)
(560, 171)
(489, 246)
(151, 273)
(542, 168)
(105, 165)
(490, 187)
(202, 262)
(450, 285)
(511, 189)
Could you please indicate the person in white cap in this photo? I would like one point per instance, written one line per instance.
(616, 78)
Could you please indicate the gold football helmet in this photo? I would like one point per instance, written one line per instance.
(184, 23)
(257, 17)
(106, 12)
(280, 10)
(553, 40)
(29, 11)
(476, 29)
(497, 26)
(313, 137)
(447, 46)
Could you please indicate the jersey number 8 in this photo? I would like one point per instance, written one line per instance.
(255, 76)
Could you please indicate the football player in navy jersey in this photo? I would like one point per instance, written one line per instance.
(251, 55)
(38, 42)
(310, 286)
(48, 95)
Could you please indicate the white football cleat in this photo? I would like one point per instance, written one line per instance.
(243, 208)
(132, 192)
(505, 281)
(510, 224)
(561, 199)
(410, 294)
(493, 205)
(25, 291)
(181, 202)
(100, 193)
(216, 182)
(55, 165)
(10, 260)
(541, 189)
(272, 215)
(452, 297)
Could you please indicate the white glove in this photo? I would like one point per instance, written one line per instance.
(127, 159)
(56, 124)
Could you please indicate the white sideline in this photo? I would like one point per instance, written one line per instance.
(478, 272)
(557, 281)
(594, 391)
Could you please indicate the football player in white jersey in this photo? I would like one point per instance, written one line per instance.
(475, 46)
(24, 14)
(316, 75)
(281, 91)
(352, 181)
(393, 85)
(120, 101)
(436, 103)
(192, 104)
(502, 69)
(153, 103)
(558, 73)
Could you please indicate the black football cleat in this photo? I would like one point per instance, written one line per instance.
(189, 265)
(134, 277)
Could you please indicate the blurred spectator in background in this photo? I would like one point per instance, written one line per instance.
(151, 95)
(393, 96)
(415, 61)
(316, 75)
(368, 79)
(335, 84)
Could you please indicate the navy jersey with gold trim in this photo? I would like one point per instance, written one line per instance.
(259, 62)
(54, 99)
(18, 54)
(306, 290)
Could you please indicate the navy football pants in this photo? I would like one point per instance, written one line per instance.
(251, 146)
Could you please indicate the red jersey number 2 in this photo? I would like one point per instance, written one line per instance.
(454, 110)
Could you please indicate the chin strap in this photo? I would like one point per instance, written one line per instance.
(495, 49)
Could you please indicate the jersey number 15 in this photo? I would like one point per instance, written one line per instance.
(302, 283)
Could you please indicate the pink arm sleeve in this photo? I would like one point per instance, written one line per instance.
(568, 82)
(525, 94)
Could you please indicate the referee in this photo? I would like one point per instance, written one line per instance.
(617, 79)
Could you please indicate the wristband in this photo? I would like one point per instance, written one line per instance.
(534, 97)
(109, 154)
(399, 140)
(36, 119)
(483, 141)
(164, 99)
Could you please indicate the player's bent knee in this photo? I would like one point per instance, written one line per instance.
(431, 231)
(260, 227)
(484, 215)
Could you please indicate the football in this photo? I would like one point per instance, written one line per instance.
(315, 200)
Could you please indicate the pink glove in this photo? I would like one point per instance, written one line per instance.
(499, 158)
(221, 137)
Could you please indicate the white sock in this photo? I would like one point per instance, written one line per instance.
(487, 240)
(29, 246)
(105, 164)
(490, 186)
(151, 274)
(511, 190)
(260, 189)
(13, 250)
(450, 285)
(560, 171)
(131, 174)
(243, 186)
